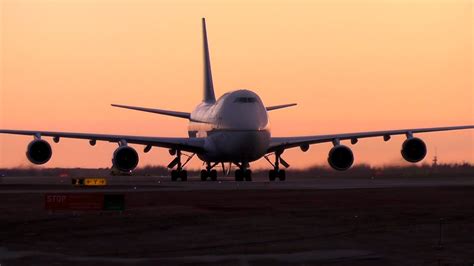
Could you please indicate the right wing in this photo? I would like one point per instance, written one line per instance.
(156, 111)
(275, 107)
(195, 145)
(282, 143)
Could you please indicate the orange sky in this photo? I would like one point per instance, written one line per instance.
(350, 65)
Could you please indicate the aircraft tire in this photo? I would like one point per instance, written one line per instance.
(282, 175)
(272, 175)
(238, 175)
(174, 175)
(213, 175)
(183, 174)
(248, 175)
(204, 175)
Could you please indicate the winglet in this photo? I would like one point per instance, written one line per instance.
(208, 96)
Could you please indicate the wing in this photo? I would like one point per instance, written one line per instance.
(275, 107)
(156, 111)
(278, 144)
(185, 144)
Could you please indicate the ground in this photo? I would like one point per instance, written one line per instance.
(243, 224)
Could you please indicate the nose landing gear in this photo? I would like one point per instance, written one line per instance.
(243, 173)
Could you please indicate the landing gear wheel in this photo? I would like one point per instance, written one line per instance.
(248, 175)
(204, 175)
(183, 174)
(282, 175)
(213, 175)
(174, 175)
(239, 175)
(272, 175)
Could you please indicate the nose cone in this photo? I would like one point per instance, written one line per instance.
(243, 110)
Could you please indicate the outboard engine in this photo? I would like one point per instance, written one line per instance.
(39, 151)
(125, 158)
(413, 150)
(340, 157)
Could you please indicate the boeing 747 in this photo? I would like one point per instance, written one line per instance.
(233, 129)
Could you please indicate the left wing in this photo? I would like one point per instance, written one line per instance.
(280, 144)
(185, 144)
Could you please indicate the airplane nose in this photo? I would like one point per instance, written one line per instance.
(244, 111)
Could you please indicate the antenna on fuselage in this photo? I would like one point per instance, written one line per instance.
(208, 96)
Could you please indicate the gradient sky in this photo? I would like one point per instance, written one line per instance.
(350, 65)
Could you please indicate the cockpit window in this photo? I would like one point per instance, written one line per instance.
(245, 100)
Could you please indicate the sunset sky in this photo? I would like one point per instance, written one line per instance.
(350, 65)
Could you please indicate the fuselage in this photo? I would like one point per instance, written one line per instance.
(235, 127)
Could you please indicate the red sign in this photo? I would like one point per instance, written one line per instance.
(74, 201)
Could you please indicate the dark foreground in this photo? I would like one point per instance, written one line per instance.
(377, 226)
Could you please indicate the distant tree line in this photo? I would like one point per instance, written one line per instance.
(357, 171)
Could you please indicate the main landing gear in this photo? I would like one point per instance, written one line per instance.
(276, 173)
(243, 173)
(179, 172)
(209, 172)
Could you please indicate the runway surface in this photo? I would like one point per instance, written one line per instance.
(318, 221)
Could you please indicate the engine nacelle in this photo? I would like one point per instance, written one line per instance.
(413, 150)
(340, 158)
(125, 158)
(39, 151)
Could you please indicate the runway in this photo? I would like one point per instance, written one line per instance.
(317, 221)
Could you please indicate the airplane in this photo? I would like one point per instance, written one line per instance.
(233, 129)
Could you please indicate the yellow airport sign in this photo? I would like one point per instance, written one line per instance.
(89, 181)
(95, 182)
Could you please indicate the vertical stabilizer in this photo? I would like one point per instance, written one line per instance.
(208, 86)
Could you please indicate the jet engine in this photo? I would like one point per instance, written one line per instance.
(39, 151)
(413, 150)
(340, 158)
(125, 158)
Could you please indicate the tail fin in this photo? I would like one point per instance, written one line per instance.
(208, 96)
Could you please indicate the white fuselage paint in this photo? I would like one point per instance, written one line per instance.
(235, 127)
